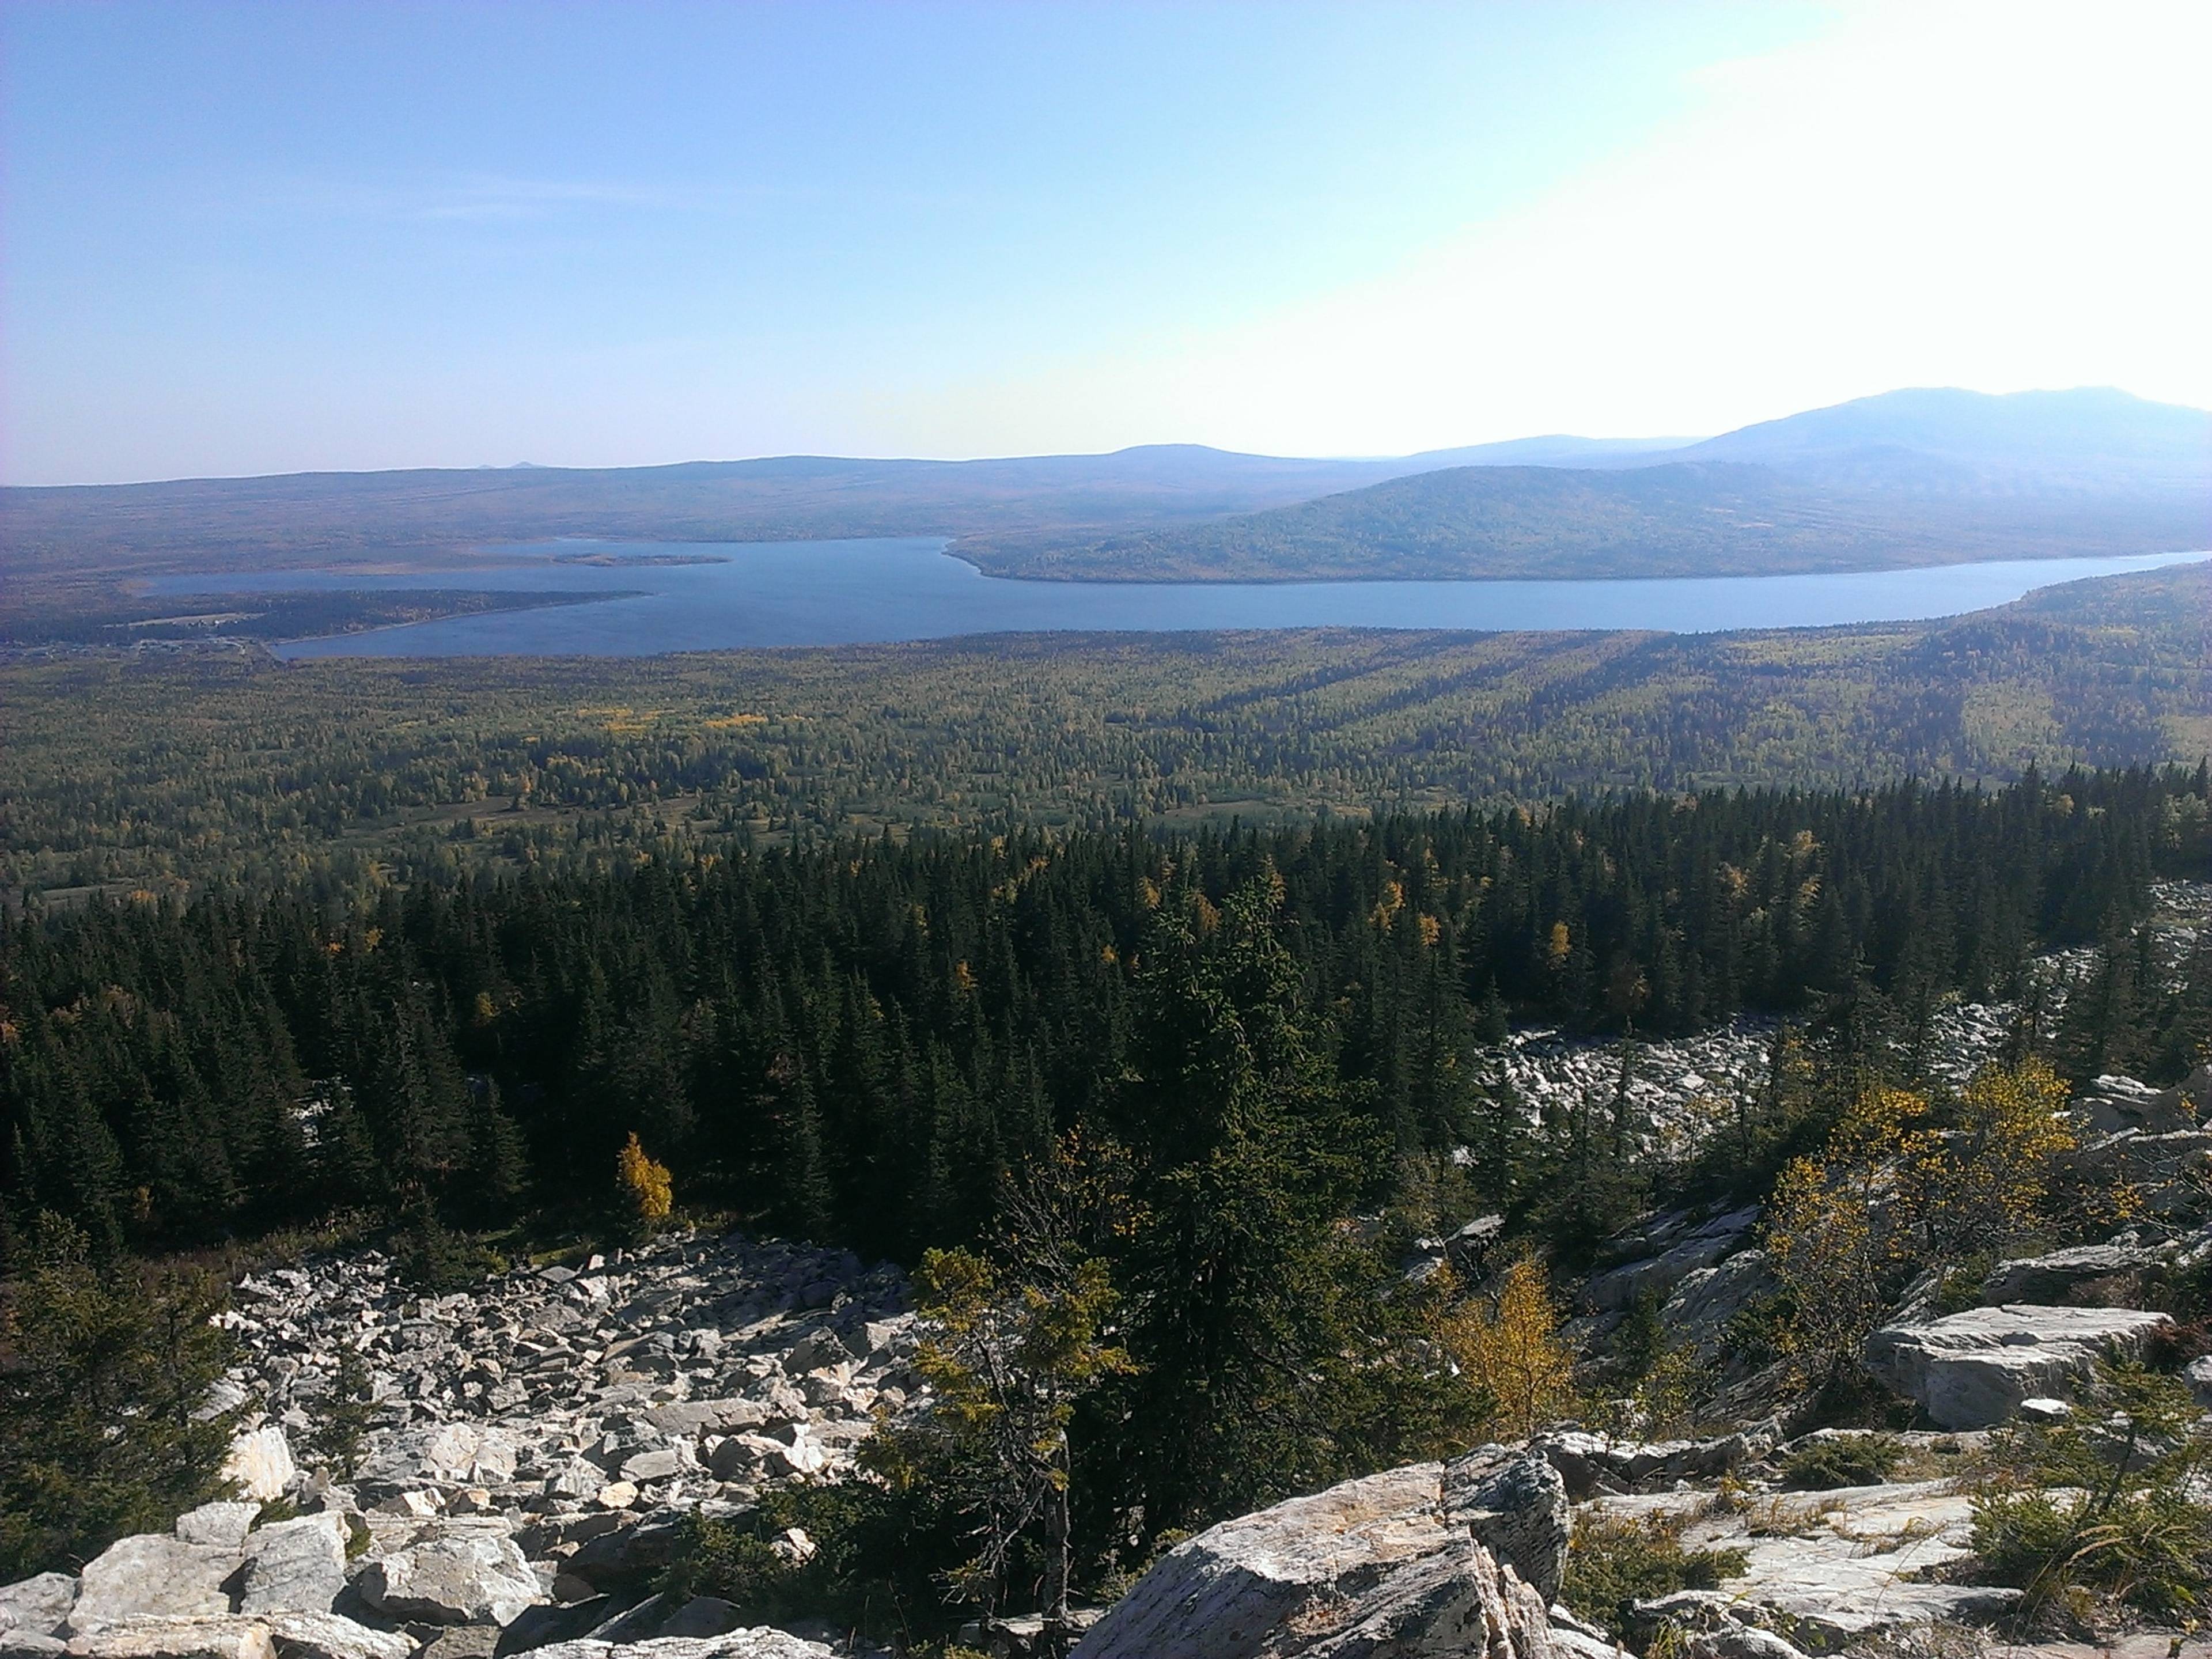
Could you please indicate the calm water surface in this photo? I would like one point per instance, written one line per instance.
(843, 593)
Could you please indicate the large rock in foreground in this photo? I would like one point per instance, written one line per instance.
(1370, 1569)
(152, 1575)
(1512, 1502)
(1972, 1370)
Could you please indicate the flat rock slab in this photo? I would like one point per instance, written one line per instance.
(152, 1575)
(240, 1636)
(1972, 1370)
(218, 1637)
(759, 1642)
(333, 1636)
(1833, 1568)
(2139, 1644)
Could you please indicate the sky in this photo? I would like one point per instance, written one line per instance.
(241, 239)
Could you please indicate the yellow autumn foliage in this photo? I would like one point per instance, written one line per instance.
(645, 1185)
(1890, 1194)
(1513, 1348)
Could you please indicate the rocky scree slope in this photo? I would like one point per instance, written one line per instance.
(536, 1443)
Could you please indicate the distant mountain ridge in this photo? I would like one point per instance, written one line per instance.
(1924, 476)
(1557, 449)
(1912, 477)
(2094, 437)
(435, 514)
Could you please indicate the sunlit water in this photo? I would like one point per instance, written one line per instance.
(843, 593)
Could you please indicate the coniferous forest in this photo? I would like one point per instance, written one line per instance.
(858, 1041)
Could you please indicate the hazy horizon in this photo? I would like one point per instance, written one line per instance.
(246, 239)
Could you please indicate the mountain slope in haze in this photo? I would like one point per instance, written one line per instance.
(1556, 449)
(2093, 438)
(234, 524)
(427, 515)
(1907, 478)
(1712, 519)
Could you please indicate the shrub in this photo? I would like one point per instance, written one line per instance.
(340, 1432)
(1513, 1348)
(433, 1257)
(2122, 1522)
(1858, 1460)
(2150, 1549)
(1959, 1288)
(1614, 1560)
(877, 1558)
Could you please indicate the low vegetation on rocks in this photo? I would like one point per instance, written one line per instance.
(1618, 1561)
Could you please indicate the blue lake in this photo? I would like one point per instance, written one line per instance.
(843, 593)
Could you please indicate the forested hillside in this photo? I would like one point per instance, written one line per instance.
(1683, 518)
(1931, 476)
(130, 773)
(857, 1041)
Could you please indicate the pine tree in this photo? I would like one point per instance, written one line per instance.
(1243, 1294)
(103, 1430)
(802, 1205)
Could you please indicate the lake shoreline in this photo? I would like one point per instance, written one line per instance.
(632, 600)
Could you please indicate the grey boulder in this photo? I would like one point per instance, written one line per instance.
(460, 1454)
(2063, 1275)
(1972, 1370)
(1671, 1249)
(2197, 1374)
(151, 1576)
(223, 1525)
(455, 1576)
(2113, 1104)
(33, 1610)
(1591, 1463)
(260, 1463)
(295, 1567)
(1367, 1568)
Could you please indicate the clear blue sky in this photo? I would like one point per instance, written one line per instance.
(257, 238)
